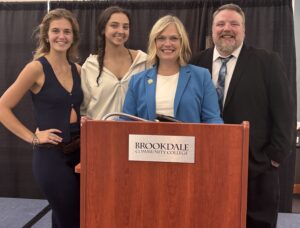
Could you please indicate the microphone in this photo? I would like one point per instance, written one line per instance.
(121, 114)
(165, 118)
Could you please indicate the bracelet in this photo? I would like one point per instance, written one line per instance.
(35, 140)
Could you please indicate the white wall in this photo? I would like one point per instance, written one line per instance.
(297, 41)
(293, 4)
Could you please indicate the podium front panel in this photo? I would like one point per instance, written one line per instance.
(210, 193)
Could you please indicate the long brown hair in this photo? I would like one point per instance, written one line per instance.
(102, 21)
(42, 34)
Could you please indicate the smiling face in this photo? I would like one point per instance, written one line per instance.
(117, 29)
(168, 44)
(228, 31)
(60, 35)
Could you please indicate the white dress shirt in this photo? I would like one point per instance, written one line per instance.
(230, 68)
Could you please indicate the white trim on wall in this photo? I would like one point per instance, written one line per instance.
(294, 5)
(49, 0)
(297, 44)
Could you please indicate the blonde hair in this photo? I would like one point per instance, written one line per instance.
(42, 34)
(185, 50)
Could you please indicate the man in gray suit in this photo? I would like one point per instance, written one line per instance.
(256, 89)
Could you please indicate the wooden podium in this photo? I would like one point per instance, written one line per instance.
(118, 193)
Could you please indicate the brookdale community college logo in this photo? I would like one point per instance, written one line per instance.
(163, 148)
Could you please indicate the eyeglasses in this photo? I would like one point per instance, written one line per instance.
(172, 39)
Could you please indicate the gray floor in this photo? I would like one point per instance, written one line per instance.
(296, 204)
(16, 212)
(290, 220)
(44, 222)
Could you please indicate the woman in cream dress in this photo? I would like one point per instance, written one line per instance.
(105, 76)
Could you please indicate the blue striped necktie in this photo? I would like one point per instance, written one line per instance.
(221, 80)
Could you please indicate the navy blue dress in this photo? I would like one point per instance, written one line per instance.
(54, 170)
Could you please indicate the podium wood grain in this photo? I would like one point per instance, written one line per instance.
(117, 193)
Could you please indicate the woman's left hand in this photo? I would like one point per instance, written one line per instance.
(48, 136)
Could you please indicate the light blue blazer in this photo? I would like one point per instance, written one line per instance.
(195, 99)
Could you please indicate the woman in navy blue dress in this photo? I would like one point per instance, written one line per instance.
(53, 80)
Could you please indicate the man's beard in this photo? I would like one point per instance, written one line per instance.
(227, 48)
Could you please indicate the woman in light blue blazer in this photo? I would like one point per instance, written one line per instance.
(172, 87)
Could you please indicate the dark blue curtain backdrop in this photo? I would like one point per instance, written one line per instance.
(269, 24)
